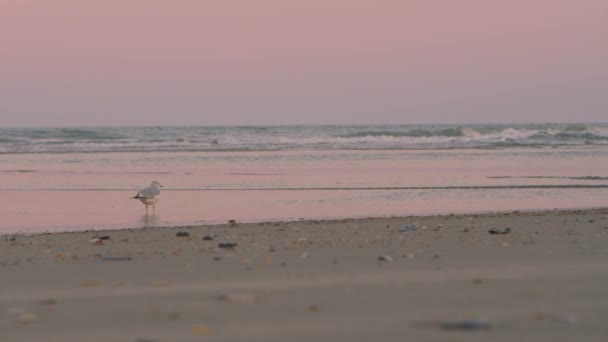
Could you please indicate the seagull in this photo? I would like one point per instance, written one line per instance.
(149, 195)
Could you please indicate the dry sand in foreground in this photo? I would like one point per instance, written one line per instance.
(346, 280)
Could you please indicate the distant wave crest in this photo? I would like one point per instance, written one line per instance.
(142, 139)
(416, 133)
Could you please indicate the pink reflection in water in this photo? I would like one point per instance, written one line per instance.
(41, 192)
(35, 211)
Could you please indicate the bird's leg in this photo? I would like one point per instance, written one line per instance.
(146, 210)
(153, 210)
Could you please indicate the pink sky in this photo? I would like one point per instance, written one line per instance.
(151, 62)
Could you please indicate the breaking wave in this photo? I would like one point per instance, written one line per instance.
(141, 139)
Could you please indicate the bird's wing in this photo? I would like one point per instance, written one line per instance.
(149, 192)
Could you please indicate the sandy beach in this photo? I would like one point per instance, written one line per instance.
(279, 171)
(434, 278)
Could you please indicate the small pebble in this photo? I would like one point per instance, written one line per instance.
(469, 325)
(117, 258)
(386, 258)
(408, 228)
(499, 231)
(182, 234)
(227, 245)
(200, 330)
(27, 318)
(207, 238)
(96, 241)
(313, 309)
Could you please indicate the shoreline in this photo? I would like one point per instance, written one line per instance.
(545, 278)
(320, 220)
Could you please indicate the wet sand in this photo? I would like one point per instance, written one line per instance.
(81, 191)
(449, 279)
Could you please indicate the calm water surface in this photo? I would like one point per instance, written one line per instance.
(78, 191)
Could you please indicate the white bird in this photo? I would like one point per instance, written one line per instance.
(150, 196)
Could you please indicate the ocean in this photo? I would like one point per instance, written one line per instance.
(56, 179)
(289, 138)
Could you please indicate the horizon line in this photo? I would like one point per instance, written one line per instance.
(306, 124)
